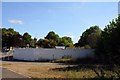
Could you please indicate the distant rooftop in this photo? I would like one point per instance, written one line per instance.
(60, 47)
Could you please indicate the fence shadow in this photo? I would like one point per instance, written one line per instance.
(85, 67)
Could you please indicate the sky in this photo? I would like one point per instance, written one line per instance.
(60, 0)
(64, 18)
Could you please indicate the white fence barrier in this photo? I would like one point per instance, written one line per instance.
(37, 54)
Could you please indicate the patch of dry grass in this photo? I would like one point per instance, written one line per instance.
(6, 64)
(41, 70)
(35, 70)
(45, 71)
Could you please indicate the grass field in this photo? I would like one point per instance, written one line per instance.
(53, 70)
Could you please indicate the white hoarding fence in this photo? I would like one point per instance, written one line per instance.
(37, 54)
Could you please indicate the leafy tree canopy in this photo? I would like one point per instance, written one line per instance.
(53, 36)
(108, 47)
(90, 37)
(52, 39)
(65, 41)
(10, 37)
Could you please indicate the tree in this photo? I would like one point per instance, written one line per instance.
(0, 38)
(53, 39)
(27, 39)
(52, 36)
(10, 38)
(35, 42)
(90, 37)
(65, 41)
(44, 43)
(108, 49)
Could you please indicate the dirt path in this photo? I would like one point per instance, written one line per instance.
(10, 74)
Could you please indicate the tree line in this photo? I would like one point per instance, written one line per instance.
(12, 38)
(106, 42)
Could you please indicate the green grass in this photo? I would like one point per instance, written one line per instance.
(65, 60)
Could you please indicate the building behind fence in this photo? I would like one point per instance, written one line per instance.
(37, 54)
